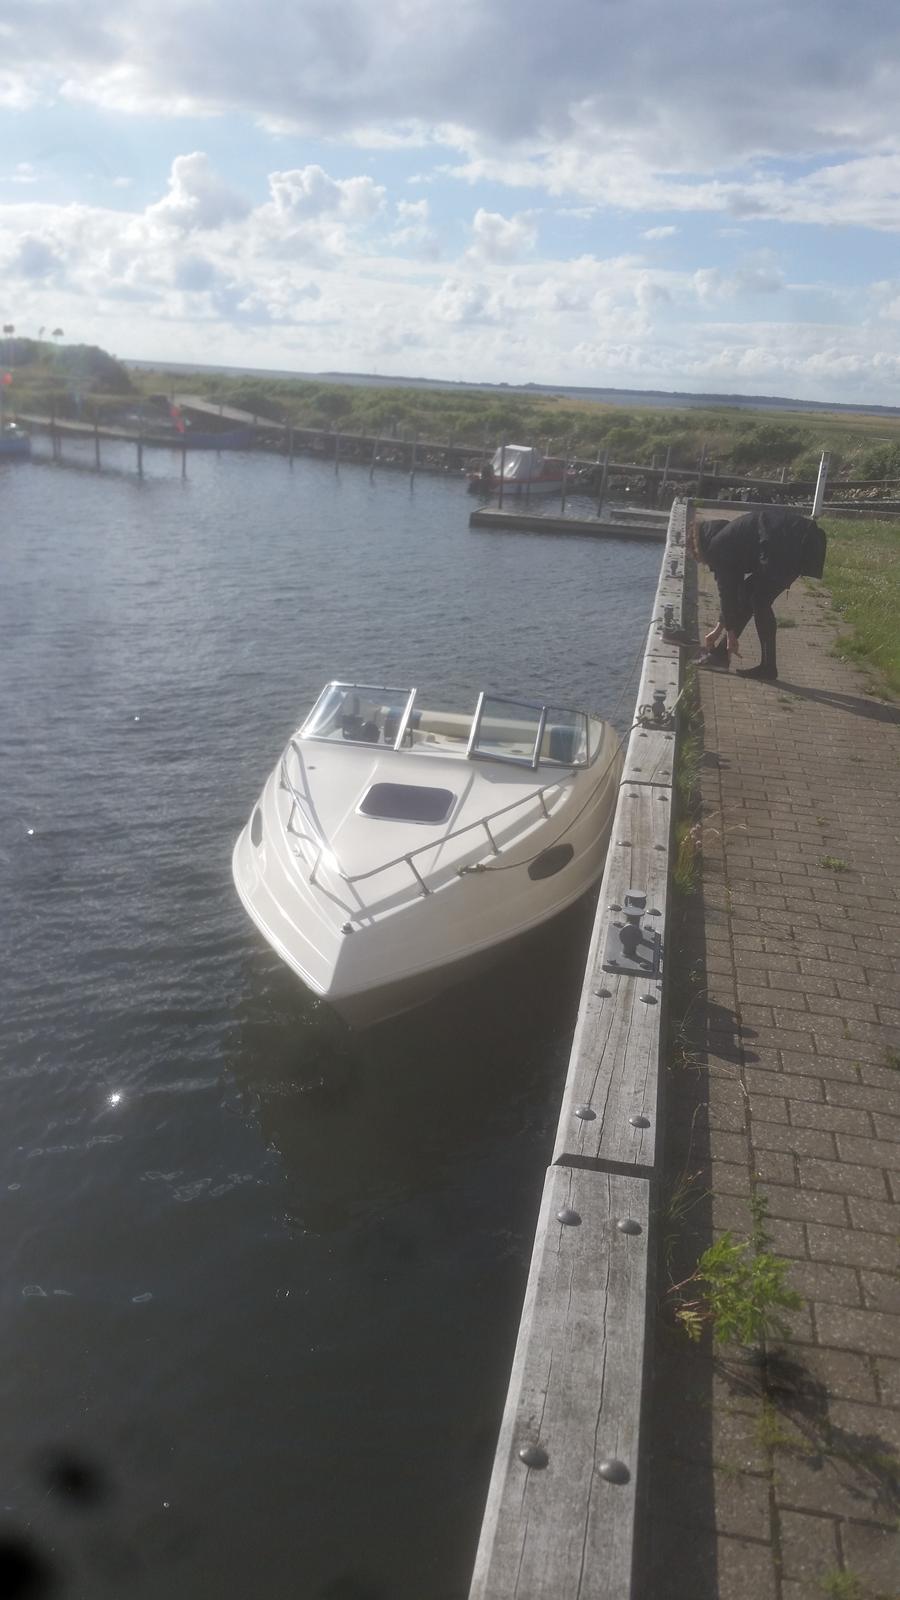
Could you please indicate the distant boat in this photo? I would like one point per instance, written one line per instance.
(520, 470)
(14, 442)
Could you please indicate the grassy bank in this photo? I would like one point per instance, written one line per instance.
(83, 380)
(739, 439)
(862, 575)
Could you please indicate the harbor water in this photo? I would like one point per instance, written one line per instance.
(261, 1275)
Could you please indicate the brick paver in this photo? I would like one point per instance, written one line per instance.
(779, 1476)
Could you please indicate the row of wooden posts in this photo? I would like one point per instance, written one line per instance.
(417, 452)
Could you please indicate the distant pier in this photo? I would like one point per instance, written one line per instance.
(619, 528)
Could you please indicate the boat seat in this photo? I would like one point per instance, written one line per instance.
(561, 743)
(353, 727)
(449, 724)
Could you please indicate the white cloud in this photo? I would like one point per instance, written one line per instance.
(460, 301)
(501, 239)
(643, 84)
(320, 271)
(197, 197)
(659, 233)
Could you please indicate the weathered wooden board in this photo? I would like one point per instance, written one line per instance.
(650, 757)
(563, 1530)
(614, 1066)
(558, 1527)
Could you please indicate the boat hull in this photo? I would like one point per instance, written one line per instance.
(400, 960)
(515, 489)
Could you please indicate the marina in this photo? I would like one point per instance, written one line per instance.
(258, 1266)
(340, 1197)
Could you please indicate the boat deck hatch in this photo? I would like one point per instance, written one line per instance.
(407, 802)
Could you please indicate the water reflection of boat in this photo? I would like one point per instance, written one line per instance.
(521, 470)
(396, 846)
(14, 442)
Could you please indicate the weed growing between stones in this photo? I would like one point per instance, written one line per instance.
(736, 1291)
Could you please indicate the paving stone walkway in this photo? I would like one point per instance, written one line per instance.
(779, 1479)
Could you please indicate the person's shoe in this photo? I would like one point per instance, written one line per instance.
(676, 636)
(770, 674)
(716, 660)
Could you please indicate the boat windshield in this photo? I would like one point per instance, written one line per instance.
(364, 713)
(527, 734)
(523, 732)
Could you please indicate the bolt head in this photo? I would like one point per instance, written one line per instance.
(568, 1217)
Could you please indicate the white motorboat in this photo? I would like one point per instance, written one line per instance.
(396, 845)
(517, 470)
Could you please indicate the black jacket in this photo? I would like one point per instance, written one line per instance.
(764, 546)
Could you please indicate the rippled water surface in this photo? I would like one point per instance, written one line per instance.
(261, 1276)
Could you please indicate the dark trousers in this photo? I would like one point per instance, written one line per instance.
(756, 600)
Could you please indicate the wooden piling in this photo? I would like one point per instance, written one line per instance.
(502, 470)
(96, 442)
(604, 473)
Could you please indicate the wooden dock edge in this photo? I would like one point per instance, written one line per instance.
(562, 1502)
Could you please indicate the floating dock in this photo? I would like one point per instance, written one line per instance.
(626, 527)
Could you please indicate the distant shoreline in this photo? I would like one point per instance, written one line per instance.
(609, 396)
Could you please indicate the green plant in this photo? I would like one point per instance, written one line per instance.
(773, 1435)
(759, 1213)
(685, 872)
(737, 1292)
(833, 863)
(843, 1586)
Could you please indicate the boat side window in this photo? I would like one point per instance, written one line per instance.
(407, 802)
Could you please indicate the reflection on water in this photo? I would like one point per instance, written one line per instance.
(261, 1275)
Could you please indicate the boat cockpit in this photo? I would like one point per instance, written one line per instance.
(521, 732)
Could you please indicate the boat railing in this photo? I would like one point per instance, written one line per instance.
(406, 857)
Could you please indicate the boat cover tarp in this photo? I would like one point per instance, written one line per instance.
(520, 462)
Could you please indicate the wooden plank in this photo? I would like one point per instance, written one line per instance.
(564, 1531)
(613, 1070)
(650, 757)
(558, 1527)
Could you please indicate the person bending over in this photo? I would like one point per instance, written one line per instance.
(754, 558)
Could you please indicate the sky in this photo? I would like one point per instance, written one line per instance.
(701, 196)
